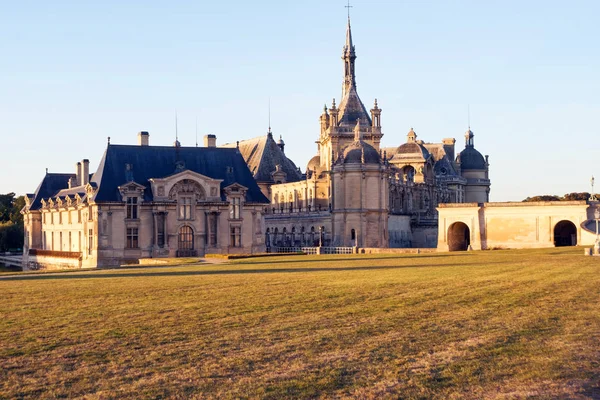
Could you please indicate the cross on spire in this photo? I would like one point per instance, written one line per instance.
(348, 7)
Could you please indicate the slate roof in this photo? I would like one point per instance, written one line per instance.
(50, 186)
(262, 154)
(470, 158)
(161, 161)
(351, 109)
(360, 152)
(412, 150)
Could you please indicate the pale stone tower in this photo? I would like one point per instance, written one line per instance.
(475, 169)
(360, 195)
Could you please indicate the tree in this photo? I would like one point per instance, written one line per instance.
(11, 236)
(545, 197)
(576, 196)
(566, 197)
(11, 222)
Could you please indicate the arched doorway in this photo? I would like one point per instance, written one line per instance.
(185, 242)
(565, 234)
(459, 237)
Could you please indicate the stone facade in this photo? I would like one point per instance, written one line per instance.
(357, 192)
(516, 225)
(145, 202)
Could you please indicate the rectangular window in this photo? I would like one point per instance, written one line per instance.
(79, 216)
(69, 215)
(70, 243)
(160, 230)
(90, 214)
(90, 241)
(132, 238)
(132, 208)
(185, 208)
(44, 215)
(212, 229)
(60, 217)
(51, 218)
(235, 208)
(44, 240)
(79, 241)
(236, 236)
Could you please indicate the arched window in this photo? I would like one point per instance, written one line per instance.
(353, 235)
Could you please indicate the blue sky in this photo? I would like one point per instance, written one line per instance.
(73, 73)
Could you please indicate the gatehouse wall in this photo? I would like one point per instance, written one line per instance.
(514, 225)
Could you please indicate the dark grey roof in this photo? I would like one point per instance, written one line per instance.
(412, 150)
(314, 163)
(470, 158)
(262, 154)
(361, 152)
(160, 161)
(49, 187)
(351, 109)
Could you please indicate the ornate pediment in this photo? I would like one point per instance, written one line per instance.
(202, 187)
(235, 189)
(131, 189)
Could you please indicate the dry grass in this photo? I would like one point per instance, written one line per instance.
(502, 324)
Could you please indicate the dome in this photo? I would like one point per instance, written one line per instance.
(412, 150)
(314, 164)
(361, 152)
(470, 158)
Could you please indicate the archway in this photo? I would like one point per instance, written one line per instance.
(185, 242)
(565, 234)
(459, 237)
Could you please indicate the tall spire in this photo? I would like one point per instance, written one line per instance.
(349, 56)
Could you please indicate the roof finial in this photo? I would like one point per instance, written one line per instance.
(348, 7)
(196, 131)
(108, 140)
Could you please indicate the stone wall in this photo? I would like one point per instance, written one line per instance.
(513, 225)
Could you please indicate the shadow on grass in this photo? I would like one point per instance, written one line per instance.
(76, 275)
(340, 258)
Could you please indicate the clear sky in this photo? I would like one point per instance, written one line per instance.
(74, 72)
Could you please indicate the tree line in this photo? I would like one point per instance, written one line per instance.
(566, 197)
(11, 222)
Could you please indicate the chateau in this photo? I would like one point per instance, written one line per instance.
(248, 197)
(356, 193)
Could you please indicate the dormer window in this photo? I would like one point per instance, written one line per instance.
(132, 207)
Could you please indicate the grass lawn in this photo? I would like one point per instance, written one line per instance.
(496, 324)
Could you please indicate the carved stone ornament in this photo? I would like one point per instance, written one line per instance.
(187, 186)
(161, 191)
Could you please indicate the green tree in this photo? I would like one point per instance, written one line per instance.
(11, 222)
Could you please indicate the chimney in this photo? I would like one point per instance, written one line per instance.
(71, 183)
(449, 147)
(210, 141)
(78, 174)
(143, 138)
(85, 172)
